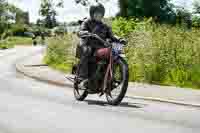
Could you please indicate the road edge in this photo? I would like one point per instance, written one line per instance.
(20, 69)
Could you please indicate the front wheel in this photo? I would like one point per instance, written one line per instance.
(119, 83)
(79, 94)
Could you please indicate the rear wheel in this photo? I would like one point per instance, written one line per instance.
(79, 94)
(119, 83)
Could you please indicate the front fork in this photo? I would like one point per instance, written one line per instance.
(109, 75)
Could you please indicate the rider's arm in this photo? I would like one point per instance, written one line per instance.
(84, 28)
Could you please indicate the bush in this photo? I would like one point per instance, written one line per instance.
(61, 52)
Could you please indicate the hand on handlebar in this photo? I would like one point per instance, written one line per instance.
(84, 33)
(95, 35)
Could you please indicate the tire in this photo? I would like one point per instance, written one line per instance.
(124, 83)
(78, 96)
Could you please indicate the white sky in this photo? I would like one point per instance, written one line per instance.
(72, 11)
(187, 4)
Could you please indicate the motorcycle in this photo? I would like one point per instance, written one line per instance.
(111, 74)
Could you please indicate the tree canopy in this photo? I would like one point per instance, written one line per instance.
(48, 10)
(161, 10)
(196, 5)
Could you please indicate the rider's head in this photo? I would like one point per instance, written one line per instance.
(97, 12)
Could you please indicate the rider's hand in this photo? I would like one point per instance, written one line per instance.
(95, 35)
(83, 34)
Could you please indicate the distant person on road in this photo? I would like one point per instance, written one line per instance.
(43, 38)
(34, 39)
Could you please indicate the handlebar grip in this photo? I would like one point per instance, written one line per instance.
(85, 35)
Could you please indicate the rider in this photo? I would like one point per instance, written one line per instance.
(92, 25)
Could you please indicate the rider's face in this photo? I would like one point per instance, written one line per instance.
(98, 16)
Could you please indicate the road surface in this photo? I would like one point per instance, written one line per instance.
(29, 106)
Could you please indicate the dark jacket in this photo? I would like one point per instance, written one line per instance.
(98, 28)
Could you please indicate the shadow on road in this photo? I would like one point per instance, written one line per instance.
(123, 104)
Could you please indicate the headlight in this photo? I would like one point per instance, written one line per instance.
(117, 46)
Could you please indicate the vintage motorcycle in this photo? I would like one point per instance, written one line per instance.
(110, 76)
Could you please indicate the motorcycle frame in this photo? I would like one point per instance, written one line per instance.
(108, 75)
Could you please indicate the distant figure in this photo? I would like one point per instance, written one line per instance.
(34, 40)
(43, 38)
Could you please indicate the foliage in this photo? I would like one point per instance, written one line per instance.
(10, 42)
(157, 54)
(2, 18)
(18, 29)
(89, 2)
(196, 21)
(7, 12)
(196, 5)
(48, 10)
(123, 27)
(5, 44)
(166, 55)
(184, 17)
(160, 10)
(19, 40)
(123, 6)
(61, 51)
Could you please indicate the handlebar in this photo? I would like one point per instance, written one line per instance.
(106, 43)
(96, 37)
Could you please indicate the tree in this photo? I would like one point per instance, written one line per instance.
(184, 17)
(123, 5)
(161, 10)
(48, 10)
(3, 18)
(2, 6)
(89, 2)
(22, 17)
(17, 14)
(196, 5)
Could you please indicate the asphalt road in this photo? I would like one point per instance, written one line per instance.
(29, 106)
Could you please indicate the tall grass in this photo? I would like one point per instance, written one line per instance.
(157, 54)
(60, 52)
(166, 55)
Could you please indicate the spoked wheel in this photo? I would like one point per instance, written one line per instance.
(119, 83)
(79, 94)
